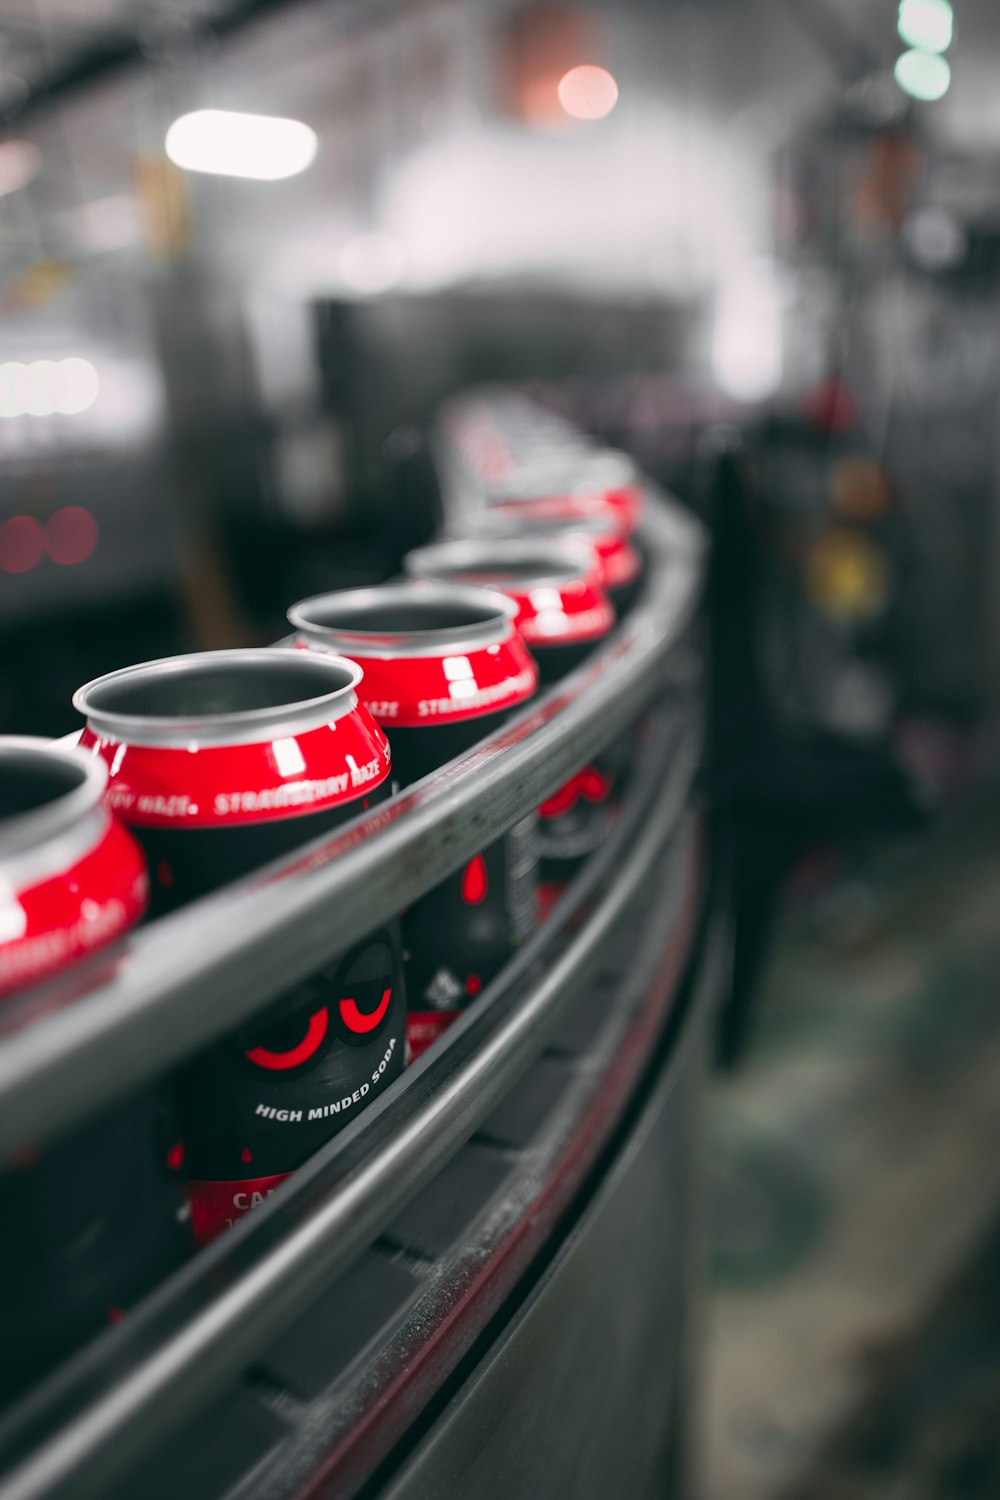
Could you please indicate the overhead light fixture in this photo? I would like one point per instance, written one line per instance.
(923, 75)
(927, 24)
(588, 92)
(47, 387)
(229, 144)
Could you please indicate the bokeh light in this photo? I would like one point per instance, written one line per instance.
(22, 544)
(227, 143)
(923, 75)
(371, 263)
(76, 386)
(47, 387)
(71, 535)
(859, 489)
(928, 24)
(20, 162)
(588, 92)
(847, 577)
(35, 388)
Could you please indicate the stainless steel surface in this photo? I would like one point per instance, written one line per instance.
(76, 1044)
(548, 1411)
(186, 1341)
(514, 1186)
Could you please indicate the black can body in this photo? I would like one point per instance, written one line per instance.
(273, 777)
(443, 667)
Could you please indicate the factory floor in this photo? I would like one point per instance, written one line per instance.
(853, 1327)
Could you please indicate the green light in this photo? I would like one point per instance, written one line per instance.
(923, 75)
(927, 24)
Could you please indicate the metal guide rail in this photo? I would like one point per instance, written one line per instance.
(107, 1407)
(72, 1046)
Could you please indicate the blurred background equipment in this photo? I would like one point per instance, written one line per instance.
(286, 286)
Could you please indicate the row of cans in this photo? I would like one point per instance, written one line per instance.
(195, 770)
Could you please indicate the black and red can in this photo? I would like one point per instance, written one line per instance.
(220, 762)
(563, 613)
(91, 1223)
(443, 666)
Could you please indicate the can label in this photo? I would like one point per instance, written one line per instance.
(466, 685)
(499, 888)
(257, 1105)
(74, 911)
(458, 937)
(576, 819)
(216, 1206)
(225, 786)
(423, 1027)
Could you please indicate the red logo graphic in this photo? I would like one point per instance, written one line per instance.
(591, 784)
(361, 1022)
(263, 1057)
(475, 883)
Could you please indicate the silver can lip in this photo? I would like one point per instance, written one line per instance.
(581, 474)
(77, 780)
(405, 619)
(285, 691)
(532, 562)
(506, 521)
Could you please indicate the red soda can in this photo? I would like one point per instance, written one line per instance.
(598, 484)
(443, 666)
(72, 878)
(91, 1222)
(220, 762)
(562, 609)
(562, 615)
(616, 559)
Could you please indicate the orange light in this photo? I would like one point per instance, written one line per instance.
(588, 92)
(859, 489)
